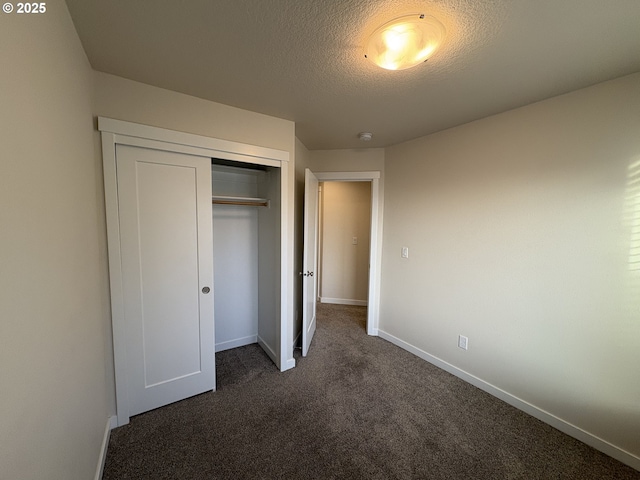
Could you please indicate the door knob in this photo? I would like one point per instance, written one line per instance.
(206, 289)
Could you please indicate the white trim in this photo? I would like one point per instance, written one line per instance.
(102, 457)
(290, 363)
(117, 132)
(343, 301)
(285, 359)
(115, 275)
(375, 245)
(542, 415)
(375, 260)
(347, 176)
(198, 151)
(147, 132)
(236, 342)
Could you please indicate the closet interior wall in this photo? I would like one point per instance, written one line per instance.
(246, 257)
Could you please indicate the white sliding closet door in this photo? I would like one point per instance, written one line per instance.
(164, 203)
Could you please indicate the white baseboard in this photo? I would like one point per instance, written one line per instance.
(241, 342)
(542, 415)
(343, 301)
(112, 422)
(236, 342)
(288, 365)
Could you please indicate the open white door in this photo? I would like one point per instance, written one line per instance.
(164, 202)
(310, 256)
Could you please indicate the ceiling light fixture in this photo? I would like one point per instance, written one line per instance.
(405, 42)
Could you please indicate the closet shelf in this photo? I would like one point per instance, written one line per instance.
(248, 201)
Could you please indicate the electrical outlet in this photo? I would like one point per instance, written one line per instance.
(354, 241)
(463, 342)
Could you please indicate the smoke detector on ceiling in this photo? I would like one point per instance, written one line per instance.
(365, 136)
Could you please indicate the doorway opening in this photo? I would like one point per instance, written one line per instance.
(372, 179)
(310, 249)
(344, 239)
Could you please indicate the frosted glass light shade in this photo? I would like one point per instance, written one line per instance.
(405, 42)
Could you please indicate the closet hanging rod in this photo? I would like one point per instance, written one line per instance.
(246, 201)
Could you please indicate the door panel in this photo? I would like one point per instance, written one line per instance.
(164, 202)
(310, 259)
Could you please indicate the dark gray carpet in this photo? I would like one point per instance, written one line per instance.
(357, 407)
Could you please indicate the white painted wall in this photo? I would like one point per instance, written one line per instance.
(344, 271)
(521, 229)
(53, 280)
(131, 101)
(235, 258)
(351, 160)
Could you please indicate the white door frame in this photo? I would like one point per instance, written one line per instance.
(375, 246)
(134, 134)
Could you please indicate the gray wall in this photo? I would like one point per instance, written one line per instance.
(53, 283)
(521, 229)
(344, 267)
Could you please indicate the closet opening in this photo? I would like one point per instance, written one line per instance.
(246, 213)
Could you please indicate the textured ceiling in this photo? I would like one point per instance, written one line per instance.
(302, 60)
